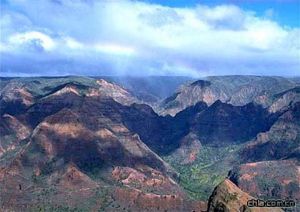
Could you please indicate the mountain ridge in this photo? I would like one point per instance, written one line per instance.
(60, 136)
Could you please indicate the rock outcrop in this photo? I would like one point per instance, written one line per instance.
(228, 197)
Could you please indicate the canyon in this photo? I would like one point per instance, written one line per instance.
(148, 143)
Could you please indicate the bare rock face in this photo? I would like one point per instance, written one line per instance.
(190, 146)
(272, 179)
(68, 88)
(15, 98)
(235, 90)
(137, 200)
(13, 125)
(114, 91)
(16, 92)
(280, 142)
(73, 179)
(92, 134)
(12, 133)
(285, 99)
(199, 91)
(146, 179)
(228, 197)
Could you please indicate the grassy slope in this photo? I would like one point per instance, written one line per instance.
(208, 170)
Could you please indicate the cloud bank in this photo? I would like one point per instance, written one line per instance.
(86, 37)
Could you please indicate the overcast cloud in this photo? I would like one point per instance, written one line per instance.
(61, 37)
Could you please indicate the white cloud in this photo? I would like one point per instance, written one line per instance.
(141, 38)
(72, 43)
(39, 39)
(112, 48)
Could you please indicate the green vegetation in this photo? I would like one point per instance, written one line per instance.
(40, 86)
(6, 141)
(208, 170)
(50, 208)
(51, 199)
(230, 197)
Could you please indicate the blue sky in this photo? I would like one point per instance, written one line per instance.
(123, 37)
(285, 12)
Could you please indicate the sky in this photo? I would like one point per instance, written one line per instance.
(153, 37)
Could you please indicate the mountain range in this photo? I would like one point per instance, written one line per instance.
(148, 143)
